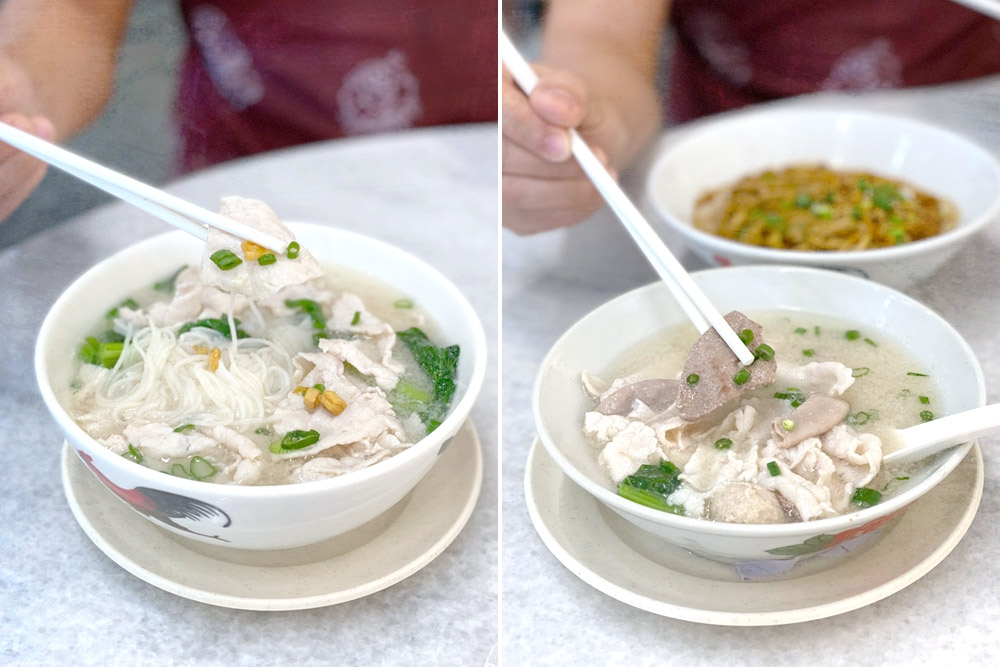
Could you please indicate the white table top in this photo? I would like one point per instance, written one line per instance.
(432, 192)
(951, 614)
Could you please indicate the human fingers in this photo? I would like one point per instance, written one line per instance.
(19, 172)
(517, 161)
(523, 127)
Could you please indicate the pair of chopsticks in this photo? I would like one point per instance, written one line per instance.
(692, 300)
(181, 214)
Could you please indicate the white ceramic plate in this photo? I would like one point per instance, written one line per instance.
(608, 553)
(365, 560)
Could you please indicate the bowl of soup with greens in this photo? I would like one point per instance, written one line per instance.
(260, 398)
(772, 461)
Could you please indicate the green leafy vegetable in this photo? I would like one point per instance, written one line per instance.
(650, 485)
(866, 497)
(310, 308)
(441, 365)
(167, 284)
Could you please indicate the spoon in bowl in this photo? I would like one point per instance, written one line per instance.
(923, 440)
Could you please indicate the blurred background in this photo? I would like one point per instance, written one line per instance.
(135, 134)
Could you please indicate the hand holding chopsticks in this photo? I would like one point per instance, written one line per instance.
(174, 210)
(692, 300)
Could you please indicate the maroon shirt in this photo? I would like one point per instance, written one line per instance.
(730, 53)
(260, 75)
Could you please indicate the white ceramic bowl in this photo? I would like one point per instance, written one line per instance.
(261, 517)
(594, 342)
(723, 151)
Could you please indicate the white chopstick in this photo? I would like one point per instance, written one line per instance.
(692, 300)
(173, 210)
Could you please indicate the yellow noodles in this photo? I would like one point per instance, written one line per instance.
(816, 208)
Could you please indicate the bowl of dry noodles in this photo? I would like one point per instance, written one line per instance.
(875, 195)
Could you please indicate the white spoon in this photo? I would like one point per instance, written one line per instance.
(920, 441)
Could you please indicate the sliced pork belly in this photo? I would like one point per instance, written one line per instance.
(249, 278)
(716, 367)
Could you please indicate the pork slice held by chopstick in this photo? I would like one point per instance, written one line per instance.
(712, 374)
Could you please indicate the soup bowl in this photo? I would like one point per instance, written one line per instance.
(722, 151)
(257, 517)
(599, 338)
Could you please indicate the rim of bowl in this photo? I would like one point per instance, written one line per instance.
(687, 229)
(948, 461)
(452, 423)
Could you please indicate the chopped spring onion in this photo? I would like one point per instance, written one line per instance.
(262, 431)
(866, 497)
(201, 468)
(402, 303)
(773, 468)
(742, 376)
(764, 352)
(808, 353)
(858, 418)
(97, 353)
(919, 375)
(859, 371)
(816, 330)
(853, 334)
(319, 387)
(693, 378)
(788, 425)
(723, 443)
(926, 415)
(178, 470)
(356, 318)
(133, 453)
(800, 330)
(183, 427)
(267, 258)
(293, 250)
(924, 399)
(226, 260)
(803, 200)
(871, 342)
(295, 440)
(746, 336)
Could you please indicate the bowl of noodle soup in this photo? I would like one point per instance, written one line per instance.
(737, 190)
(264, 515)
(634, 334)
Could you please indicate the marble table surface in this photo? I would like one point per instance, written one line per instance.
(62, 601)
(551, 617)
